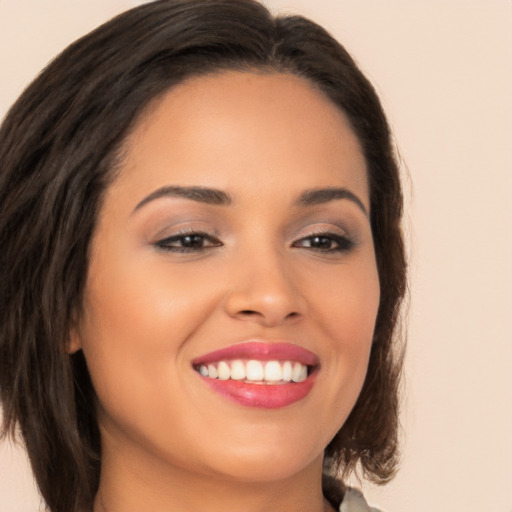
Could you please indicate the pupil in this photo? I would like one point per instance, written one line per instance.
(321, 242)
(193, 241)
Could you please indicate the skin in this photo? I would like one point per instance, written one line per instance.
(263, 139)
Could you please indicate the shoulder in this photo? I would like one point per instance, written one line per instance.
(353, 501)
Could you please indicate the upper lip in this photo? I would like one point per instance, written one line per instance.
(260, 350)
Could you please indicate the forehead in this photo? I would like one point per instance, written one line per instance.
(225, 128)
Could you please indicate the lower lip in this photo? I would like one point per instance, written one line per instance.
(265, 396)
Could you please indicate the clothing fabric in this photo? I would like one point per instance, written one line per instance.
(353, 501)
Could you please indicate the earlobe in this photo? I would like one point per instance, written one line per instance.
(74, 343)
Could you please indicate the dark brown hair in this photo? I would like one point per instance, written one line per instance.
(59, 145)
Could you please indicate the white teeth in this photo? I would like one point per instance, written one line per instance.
(256, 371)
(224, 371)
(212, 371)
(287, 371)
(298, 373)
(273, 371)
(237, 370)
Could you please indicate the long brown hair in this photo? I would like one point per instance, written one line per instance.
(59, 148)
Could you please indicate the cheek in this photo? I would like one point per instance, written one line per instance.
(352, 314)
(144, 303)
(349, 303)
(348, 313)
(133, 331)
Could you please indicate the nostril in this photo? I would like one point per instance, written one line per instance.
(251, 312)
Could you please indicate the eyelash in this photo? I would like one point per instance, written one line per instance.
(165, 244)
(343, 243)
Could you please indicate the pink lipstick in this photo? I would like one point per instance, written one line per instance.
(259, 374)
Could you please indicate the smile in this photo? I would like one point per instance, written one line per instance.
(256, 372)
(259, 374)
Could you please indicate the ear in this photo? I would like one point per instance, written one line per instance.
(74, 343)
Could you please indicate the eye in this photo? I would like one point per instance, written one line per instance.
(188, 242)
(325, 242)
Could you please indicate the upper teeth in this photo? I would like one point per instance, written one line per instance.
(256, 371)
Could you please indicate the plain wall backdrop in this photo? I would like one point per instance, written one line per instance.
(443, 70)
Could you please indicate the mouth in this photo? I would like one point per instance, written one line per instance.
(259, 374)
(256, 372)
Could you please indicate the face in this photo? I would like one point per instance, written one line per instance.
(232, 291)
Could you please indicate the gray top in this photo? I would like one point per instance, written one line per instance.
(354, 501)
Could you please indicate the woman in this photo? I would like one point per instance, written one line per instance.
(202, 267)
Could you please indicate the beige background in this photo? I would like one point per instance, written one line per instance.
(443, 69)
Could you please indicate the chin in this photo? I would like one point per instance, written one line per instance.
(265, 462)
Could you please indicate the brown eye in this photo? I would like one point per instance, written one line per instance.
(188, 242)
(193, 241)
(325, 242)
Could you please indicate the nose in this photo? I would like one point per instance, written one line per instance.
(264, 290)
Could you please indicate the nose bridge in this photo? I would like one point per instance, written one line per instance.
(264, 288)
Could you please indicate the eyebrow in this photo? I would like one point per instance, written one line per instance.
(199, 194)
(318, 196)
(218, 197)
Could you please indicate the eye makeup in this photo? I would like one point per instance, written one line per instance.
(188, 241)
